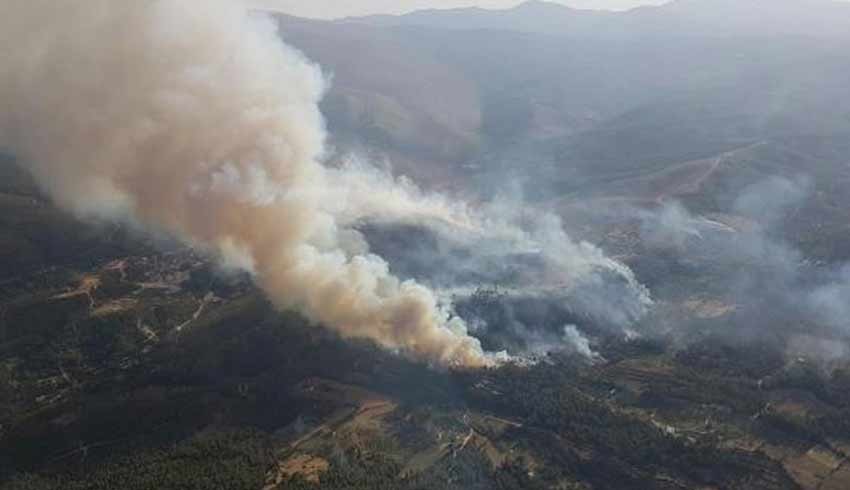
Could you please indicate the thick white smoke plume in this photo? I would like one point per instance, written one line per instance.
(193, 118)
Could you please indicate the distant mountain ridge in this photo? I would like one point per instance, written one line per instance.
(570, 96)
(534, 16)
(712, 18)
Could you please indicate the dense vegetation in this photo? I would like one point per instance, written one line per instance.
(99, 390)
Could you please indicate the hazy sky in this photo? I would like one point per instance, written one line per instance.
(343, 8)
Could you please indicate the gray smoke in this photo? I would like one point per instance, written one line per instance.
(539, 276)
(773, 292)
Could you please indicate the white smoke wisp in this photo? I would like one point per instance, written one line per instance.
(522, 249)
(366, 193)
(579, 343)
(194, 119)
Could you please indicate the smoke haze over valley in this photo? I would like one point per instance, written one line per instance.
(529, 247)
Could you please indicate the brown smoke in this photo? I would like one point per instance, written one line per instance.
(194, 119)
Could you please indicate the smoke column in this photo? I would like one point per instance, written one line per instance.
(194, 119)
(197, 121)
